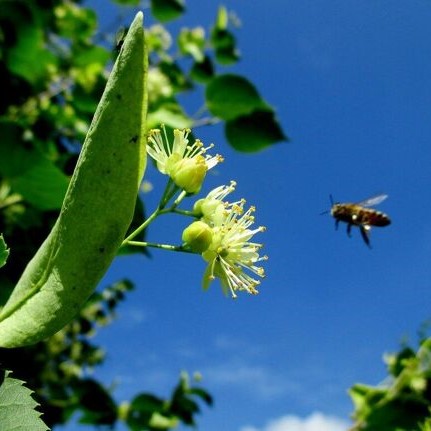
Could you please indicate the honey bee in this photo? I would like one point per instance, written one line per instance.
(358, 214)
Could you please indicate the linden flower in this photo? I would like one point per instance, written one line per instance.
(231, 252)
(212, 208)
(186, 164)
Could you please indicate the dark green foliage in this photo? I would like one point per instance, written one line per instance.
(54, 73)
(403, 402)
(167, 10)
(147, 412)
(254, 132)
(250, 122)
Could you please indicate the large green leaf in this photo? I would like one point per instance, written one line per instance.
(254, 132)
(97, 209)
(230, 96)
(17, 407)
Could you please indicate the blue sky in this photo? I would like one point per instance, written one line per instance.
(351, 84)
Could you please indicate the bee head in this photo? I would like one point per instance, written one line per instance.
(333, 204)
(335, 209)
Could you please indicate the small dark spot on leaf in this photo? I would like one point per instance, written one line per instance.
(101, 249)
(119, 96)
(134, 139)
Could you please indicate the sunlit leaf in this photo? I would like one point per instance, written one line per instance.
(29, 58)
(4, 251)
(254, 132)
(16, 402)
(75, 22)
(169, 114)
(192, 42)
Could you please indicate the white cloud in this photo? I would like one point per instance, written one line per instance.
(315, 422)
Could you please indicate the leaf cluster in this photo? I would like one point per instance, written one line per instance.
(54, 63)
(403, 401)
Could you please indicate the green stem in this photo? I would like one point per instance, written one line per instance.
(141, 227)
(155, 245)
(184, 212)
(169, 192)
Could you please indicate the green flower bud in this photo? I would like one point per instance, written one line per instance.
(197, 236)
(189, 173)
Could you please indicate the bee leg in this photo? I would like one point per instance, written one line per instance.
(349, 230)
(336, 224)
(365, 232)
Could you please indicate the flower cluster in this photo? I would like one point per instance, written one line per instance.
(185, 164)
(222, 232)
(224, 236)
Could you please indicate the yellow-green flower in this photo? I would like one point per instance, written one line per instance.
(186, 164)
(232, 256)
(211, 208)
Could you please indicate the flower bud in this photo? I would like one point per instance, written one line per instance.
(189, 173)
(197, 236)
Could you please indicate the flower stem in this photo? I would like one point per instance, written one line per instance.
(155, 245)
(137, 231)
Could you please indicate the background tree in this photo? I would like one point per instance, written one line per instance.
(54, 65)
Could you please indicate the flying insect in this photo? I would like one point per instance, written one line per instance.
(359, 214)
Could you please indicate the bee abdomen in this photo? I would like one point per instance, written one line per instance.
(376, 218)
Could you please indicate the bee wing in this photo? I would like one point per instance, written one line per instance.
(374, 200)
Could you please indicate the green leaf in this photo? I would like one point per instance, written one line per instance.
(4, 251)
(224, 45)
(97, 209)
(175, 74)
(167, 10)
(17, 407)
(94, 54)
(142, 409)
(128, 2)
(169, 114)
(203, 394)
(230, 96)
(95, 402)
(30, 173)
(202, 72)
(254, 132)
(28, 56)
(75, 22)
(222, 19)
(223, 40)
(192, 42)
